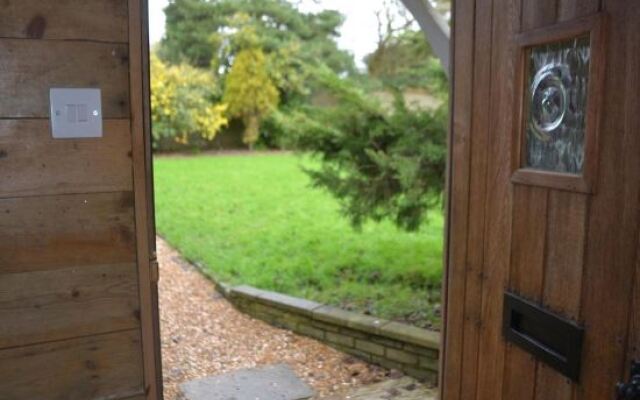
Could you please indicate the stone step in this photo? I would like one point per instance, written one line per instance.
(275, 382)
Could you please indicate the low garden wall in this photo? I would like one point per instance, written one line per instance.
(392, 345)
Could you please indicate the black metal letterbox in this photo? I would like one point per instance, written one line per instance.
(551, 339)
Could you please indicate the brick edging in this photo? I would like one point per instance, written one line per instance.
(409, 349)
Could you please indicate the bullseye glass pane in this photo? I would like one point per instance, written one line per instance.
(556, 103)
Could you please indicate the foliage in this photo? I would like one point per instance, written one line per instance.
(402, 61)
(256, 220)
(197, 31)
(379, 164)
(183, 102)
(216, 34)
(250, 92)
(274, 60)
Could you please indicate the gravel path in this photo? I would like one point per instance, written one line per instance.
(203, 335)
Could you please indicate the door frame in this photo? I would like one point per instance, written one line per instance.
(139, 81)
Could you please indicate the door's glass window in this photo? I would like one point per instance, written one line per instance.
(556, 102)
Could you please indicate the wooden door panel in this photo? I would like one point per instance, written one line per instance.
(78, 300)
(613, 215)
(97, 20)
(84, 301)
(476, 209)
(33, 163)
(458, 211)
(89, 368)
(30, 67)
(498, 198)
(530, 219)
(573, 253)
(50, 232)
(571, 9)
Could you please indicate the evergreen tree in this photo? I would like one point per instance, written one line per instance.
(249, 92)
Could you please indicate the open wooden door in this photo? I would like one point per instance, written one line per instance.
(78, 283)
(545, 200)
(545, 209)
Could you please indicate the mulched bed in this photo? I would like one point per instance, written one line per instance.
(203, 335)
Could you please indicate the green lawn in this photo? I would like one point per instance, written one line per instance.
(255, 220)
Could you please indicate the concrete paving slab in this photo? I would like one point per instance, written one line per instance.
(275, 382)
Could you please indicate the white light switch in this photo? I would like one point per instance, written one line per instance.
(76, 113)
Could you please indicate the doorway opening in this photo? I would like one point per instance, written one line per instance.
(303, 173)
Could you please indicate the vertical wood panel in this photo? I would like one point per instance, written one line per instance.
(633, 102)
(139, 89)
(526, 278)
(565, 255)
(472, 300)
(506, 16)
(571, 9)
(464, 14)
(530, 206)
(529, 239)
(538, 13)
(566, 237)
(613, 216)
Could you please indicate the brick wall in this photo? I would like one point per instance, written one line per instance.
(392, 345)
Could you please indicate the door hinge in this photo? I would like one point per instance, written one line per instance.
(154, 268)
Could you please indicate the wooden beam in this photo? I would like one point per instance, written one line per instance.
(435, 28)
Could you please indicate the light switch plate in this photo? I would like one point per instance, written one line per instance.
(76, 113)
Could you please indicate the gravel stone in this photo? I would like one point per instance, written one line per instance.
(204, 335)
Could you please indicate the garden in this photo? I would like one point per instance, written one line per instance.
(284, 163)
(256, 220)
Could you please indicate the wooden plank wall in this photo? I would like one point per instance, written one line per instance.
(573, 253)
(69, 294)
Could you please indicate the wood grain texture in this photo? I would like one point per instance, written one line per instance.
(633, 98)
(570, 9)
(578, 259)
(497, 237)
(460, 142)
(33, 163)
(55, 305)
(143, 193)
(96, 367)
(564, 264)
(566, 240)
(101, 20)
(29, 68)
(477, 196)
(530, 208)
(538, 13)
(46, 233)
(614, 214)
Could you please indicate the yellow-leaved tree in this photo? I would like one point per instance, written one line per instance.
(250, 93)
(183, 102)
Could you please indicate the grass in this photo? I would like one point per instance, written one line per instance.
(255, 220)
